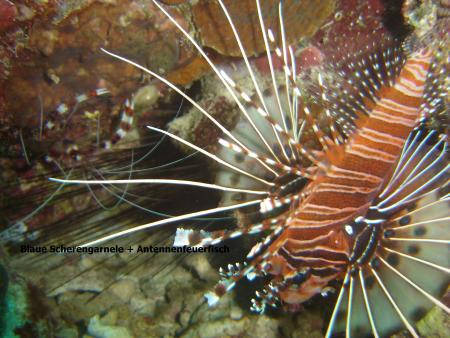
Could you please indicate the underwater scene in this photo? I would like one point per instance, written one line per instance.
(224, 168)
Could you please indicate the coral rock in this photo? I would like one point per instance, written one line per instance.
(303, 18)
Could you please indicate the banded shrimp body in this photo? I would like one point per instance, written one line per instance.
(337, 173)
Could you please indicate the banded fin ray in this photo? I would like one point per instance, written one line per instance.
(352, 88)
(262, 166)
(407, 276)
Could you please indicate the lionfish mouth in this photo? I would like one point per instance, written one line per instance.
(334, 170)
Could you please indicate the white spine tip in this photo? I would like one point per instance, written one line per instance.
(349, 229)
(251, 276)
(62, 108)
(182, 237)
(211, 298)
(101, 91)
(224, 143)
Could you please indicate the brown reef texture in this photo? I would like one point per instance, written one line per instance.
(351, 29)
(50, 54)
(65, 57)
(302, 19)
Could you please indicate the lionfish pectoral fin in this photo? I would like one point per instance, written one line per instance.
(410, 270)
(416, 200)
(396, 292)
(412, 260)
(414, 257)
(356, 310)
(422, 167)
(388, 295)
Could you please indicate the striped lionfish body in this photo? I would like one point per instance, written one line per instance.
(321, 231)
(367, 206)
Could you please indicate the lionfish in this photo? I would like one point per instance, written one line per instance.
(365, 204)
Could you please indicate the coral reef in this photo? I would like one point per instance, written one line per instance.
(25, 311)
(302, 19)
